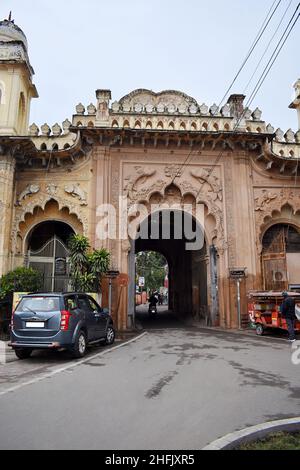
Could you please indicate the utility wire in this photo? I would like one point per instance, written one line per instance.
(260, 82)
(260, 33)
(287, 32)
(268, 46)
(253, 47)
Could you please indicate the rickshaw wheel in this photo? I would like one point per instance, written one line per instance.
(260, 330)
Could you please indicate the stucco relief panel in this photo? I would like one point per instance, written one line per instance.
(267, 201)
(34, 196)
(144, 180)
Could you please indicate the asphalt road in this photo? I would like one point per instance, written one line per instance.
(170, 389)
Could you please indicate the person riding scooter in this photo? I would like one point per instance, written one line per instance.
(152, 304)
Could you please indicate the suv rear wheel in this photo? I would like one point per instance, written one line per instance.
(110, 335)
(79, 348)
(23, 353)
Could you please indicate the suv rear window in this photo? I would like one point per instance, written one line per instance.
(38, 304)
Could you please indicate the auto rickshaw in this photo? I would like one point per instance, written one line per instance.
(264, 311)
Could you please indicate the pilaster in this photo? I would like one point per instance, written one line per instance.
(7, 174)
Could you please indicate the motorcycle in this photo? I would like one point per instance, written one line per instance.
(152, 310)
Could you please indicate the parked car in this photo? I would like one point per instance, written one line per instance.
(64, 321)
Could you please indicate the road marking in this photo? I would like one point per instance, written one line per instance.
(70, 365)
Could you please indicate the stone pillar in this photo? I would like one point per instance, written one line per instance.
(214, 309)
(131, 286)
(223, 289)
(244, 222)
(101, 190)
(7, 173)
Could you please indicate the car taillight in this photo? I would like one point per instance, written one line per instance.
(12, 319)
(65, 320)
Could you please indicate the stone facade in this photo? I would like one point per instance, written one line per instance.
(150, 148)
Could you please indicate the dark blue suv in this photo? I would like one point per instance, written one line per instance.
(61, 321)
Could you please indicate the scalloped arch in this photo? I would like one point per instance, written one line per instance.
(37, 211)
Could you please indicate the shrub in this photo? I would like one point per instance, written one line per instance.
(20, 280)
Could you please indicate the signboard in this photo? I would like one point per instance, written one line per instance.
(141, 282)
(237, 273)
(112, 274)
(60, 267)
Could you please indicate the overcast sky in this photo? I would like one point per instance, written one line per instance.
(195, 46)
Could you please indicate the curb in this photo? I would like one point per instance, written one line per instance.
(6, 354)
(233, 440)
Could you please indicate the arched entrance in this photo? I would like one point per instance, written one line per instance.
(48, 253)
(281, 257)
(181, 240)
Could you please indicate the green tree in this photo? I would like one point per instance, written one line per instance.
(20, 280)
(152, 266)
(86, 267)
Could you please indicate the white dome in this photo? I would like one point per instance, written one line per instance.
(9, 32)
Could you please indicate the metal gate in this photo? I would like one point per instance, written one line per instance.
(52, 261)
(274, 262)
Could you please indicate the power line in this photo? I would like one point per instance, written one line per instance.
(260, 82)
(286, 34)
(267, 48)
(253, 47)
(260, 33)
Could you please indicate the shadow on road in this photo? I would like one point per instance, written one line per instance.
(163, 320)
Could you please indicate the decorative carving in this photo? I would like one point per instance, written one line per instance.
(91, 109)
(193, 109)
(46, 131)
(165, 101)
(41, 202)
(225, 111)
(56, 130)
(257, 113)
(289, 136)
(175, 194)
(75, 191)
(28, 191)
(115, 106)
(275, 203)
(66, 126)
(204, 109)
(247, 114)
(173, 171)
(264, 199)
(141, 176)
(206, 176)
(51, 189)
(214, 110)
(279, 135)
(33, 130)
(80, 109)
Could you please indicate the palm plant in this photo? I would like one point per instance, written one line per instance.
(86, 268)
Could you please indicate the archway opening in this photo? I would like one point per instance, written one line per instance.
(152, 279)
(281, 258)
(179, 238)
(48, 253)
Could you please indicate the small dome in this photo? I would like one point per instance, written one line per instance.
(10, 32)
